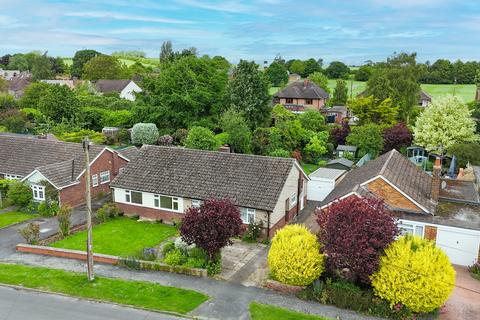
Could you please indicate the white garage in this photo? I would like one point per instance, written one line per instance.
(322, 182)
(461, 245)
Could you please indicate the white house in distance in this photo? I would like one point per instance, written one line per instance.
(126, 89)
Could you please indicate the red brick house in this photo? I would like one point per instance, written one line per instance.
(300, 96)
(442, 210)
(160, 183)
(43, 163)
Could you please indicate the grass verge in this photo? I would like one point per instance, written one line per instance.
(120, 237)
(134, 293)
(260, 311)
(309, 167)
(13, 217)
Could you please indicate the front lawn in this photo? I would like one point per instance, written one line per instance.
(13, 217)
(134, 293)
(120, 237)
(267, 312)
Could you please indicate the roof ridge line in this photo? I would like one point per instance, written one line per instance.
(384, 167)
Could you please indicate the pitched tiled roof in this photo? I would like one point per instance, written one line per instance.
(343, 147)
(111, 85)
(302, 90)
(130, 152)
(342, 161)
(394, 167)
(249, 181)
(56, 160)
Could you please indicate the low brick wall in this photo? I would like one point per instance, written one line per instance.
(159, 266)
(66, 253)
(282, 287)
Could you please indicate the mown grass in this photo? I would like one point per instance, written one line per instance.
(120, 237)
(260, 311)
(13, 217)
(309, 167)
(134, 293)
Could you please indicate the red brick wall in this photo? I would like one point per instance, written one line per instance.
(150, 213)
(108, 161)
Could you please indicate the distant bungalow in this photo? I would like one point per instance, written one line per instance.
(300, 96)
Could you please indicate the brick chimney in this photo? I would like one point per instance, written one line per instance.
(435, 190)
(225, 148)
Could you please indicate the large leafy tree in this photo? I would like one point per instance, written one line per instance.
(211, 226)
(338, 134)
(248, 93)
(363, 73)
(397, 137)
(312, 120)
(80, 58)
(239, 135)
(443, 124)
(340, 93)
(297, 66)
(189, 91)
(166, 52)
(368, 138)
(277, 74)
(320, 80)
(201, 138)
(354, 233)
(103, 67)
(337, 70)
(32, 94)
(42, 67)
(18, 62)
(372, 110)
(58, 102)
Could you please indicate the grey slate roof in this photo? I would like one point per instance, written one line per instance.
(394, 167)
(249, 181)
(56, 160)
(342, 161)
(425, 96)
(130, 152)
(302, 90)
(111, 85)
(342, 147)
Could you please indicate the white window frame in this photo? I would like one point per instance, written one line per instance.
(104, 174)
(157, 202)
(293, 200)
(196, 203)
(411, 228)
(129, 197)
(247, 215)
(94, 180)
(38, 192)
(12, 177)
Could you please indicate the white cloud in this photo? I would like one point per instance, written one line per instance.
(224, 6)
(121, 16)
(8, 22)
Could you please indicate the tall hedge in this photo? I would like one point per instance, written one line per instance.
(415, 273)
(294, 257)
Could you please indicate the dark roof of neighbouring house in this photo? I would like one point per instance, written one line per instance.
(18, 84)
(111, 85)
(342, 147)
(60, 162)
(130, 152)
(394, 167)
(247, 180)
(343, 161)
(302, 90)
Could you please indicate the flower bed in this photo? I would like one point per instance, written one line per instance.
(475, 271)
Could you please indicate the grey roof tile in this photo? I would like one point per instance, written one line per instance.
(302, 90)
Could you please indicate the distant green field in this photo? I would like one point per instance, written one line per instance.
(465, 91)
(147, 62)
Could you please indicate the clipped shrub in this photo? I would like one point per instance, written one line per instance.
(144, 133)
(63, 217)
(31, 233)
(294, 257)
(179, 136)
(20, 193)
(165, 140)
(175, 257)
(415, 273)
(280, 153)
(48, 209)
(167, 247)
(108, 210)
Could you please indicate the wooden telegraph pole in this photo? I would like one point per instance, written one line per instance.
(86, 147)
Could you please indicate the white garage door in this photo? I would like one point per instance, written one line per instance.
(318, 190)
(461, 248)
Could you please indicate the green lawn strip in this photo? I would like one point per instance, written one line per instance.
(134, 293)
(120, 237)
(260, 311)
(13, 217)
(309, 167)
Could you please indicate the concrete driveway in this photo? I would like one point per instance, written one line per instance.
(464, 303)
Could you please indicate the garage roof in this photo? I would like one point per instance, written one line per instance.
(327, 173)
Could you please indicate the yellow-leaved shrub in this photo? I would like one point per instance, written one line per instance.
(415, 273)
(294, 257)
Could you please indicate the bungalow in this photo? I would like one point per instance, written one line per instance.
(43, 163)
(442, 210)
(299, 96)
(160, 183)
(126, 89)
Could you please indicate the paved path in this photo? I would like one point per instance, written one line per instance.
(463, 304)
(25, 304)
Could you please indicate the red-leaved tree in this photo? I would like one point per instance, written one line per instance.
(338, 135)
(211, 226)
(397, 137)
(354, 232)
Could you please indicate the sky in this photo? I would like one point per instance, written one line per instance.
(349, 31)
